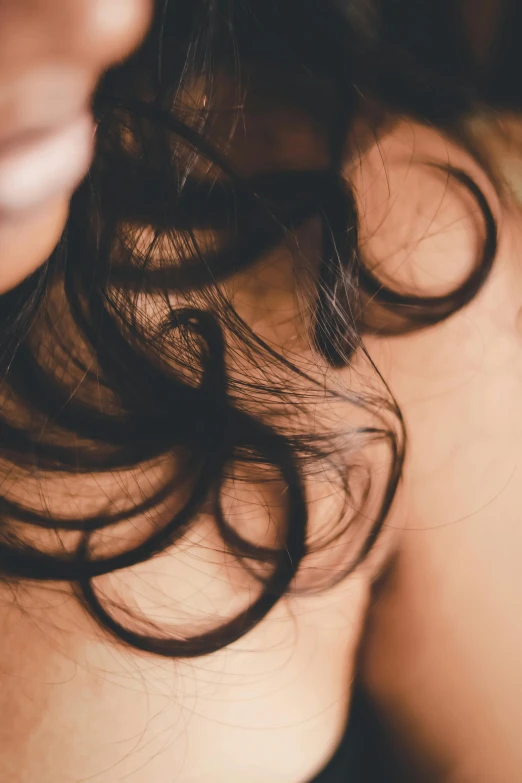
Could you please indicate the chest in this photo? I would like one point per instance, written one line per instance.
(271, 708)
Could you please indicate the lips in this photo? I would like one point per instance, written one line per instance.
(41, 165)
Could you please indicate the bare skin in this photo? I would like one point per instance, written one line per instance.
(443, 647)
(272, 707)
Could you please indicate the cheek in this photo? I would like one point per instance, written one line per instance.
(26, 243)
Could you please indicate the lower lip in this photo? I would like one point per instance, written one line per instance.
(55, 163)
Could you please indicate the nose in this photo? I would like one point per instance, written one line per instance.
(90, 35)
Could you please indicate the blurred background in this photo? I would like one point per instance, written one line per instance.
(494, 28)
(481, 39)
(482, 45)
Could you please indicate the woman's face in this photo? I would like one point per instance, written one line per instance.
(52, 53)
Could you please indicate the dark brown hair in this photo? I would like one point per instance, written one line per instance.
(91, 386)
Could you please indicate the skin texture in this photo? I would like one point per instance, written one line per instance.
(74, 42)
(442, 652)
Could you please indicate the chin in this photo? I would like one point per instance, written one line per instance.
(27, 241)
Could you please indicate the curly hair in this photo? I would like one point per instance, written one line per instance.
(116, 356)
